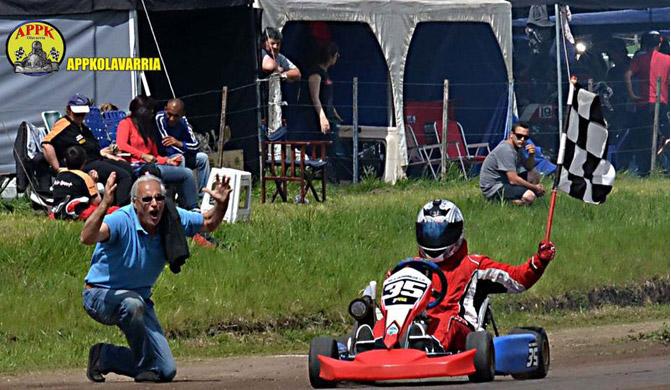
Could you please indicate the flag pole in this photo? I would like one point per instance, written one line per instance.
(560, 161)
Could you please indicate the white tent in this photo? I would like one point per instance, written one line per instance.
(393, 22)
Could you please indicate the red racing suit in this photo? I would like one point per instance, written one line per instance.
(470, 278)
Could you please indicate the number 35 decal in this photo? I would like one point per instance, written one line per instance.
(403, 291)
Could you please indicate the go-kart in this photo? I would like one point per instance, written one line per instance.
(403, 352)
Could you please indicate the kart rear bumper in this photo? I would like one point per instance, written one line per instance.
(383, 364)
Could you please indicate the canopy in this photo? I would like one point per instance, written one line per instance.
(394, 23)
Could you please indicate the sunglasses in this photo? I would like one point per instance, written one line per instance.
(521, 137)
(158, 198)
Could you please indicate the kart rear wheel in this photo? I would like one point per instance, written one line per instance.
(543, 352)
(484, 360)
(326, 346)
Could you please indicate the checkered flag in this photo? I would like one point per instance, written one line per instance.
(586, 173)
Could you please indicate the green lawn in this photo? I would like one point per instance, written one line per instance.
(292, 270)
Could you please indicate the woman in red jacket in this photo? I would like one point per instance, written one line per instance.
(136, 135)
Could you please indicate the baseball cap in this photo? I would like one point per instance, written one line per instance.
(79, 104)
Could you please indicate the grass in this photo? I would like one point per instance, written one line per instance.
(298, 263)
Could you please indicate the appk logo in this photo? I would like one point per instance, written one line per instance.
(35, 48)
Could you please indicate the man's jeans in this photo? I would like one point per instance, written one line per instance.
(202, 167)
(186, 185)
(149, 350)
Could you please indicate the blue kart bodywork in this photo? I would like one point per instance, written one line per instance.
(516, 353)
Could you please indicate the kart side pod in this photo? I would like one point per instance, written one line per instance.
(516, 353)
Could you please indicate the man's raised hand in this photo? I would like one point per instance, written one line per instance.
(110, 188)
(221, 191)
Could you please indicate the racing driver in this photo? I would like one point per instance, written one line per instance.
(470, 277)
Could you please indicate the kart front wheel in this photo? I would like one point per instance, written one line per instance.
(483, 361)
(542, 354)
(326, 346)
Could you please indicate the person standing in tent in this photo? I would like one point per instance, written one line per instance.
(320, 120)
(276, 68)
(648, 65)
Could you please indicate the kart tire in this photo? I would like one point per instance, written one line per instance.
(543, 353)
(483, 361)
(326, 346)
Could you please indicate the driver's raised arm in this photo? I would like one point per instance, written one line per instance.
(515, 278)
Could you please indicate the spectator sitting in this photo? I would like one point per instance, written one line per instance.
(178, 139)
(136, 135)
(499, 177)
(75, 191)
(70, 130)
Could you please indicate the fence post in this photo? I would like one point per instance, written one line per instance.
(222, 125)
(443, 142)
(355, 130)
(655, 125)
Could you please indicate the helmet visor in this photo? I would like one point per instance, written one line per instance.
(434, 236)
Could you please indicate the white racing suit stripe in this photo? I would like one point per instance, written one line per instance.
(470, 312)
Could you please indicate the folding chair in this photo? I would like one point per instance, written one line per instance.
(94, 121)
(457, 147)
(49, 118)
(428, 146)
(111, 120)
(32, 169)
(416, 152)
(433, 148)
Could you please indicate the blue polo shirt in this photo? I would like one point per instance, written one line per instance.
(132, 259)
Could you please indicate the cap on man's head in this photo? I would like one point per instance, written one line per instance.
(79, 104)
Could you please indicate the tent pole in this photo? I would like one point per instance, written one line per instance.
(558, 37)
(133, 43)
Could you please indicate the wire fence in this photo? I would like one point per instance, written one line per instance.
(468, 104)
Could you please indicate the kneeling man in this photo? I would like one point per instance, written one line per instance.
(499, 177)
(128, 258)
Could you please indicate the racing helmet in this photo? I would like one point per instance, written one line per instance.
(439, 229)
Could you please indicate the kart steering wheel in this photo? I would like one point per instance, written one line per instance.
(430, 268)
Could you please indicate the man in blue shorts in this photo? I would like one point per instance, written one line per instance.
(128, 258)
(507, 175)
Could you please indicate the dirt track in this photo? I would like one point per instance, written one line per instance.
(597, 357)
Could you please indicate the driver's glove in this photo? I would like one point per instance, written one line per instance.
(546, 251)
